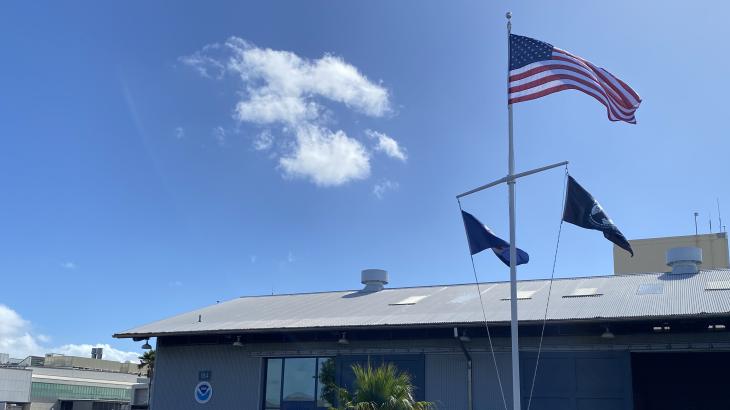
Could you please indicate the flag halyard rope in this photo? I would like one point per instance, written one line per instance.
(550, 289)
(486, 324)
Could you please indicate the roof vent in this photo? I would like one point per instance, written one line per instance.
(684, 260)
(374, 279)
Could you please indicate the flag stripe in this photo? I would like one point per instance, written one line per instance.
(566, 84)
(630, 92)
(551, 70)
(605, 77)
(553, 75)
(583, 85)
(602, 82)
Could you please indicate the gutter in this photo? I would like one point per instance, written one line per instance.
(469, 372)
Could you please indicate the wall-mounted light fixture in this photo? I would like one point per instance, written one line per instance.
(238, 342)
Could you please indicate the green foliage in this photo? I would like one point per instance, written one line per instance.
(327, 380)
(381, 388)
(147, 362)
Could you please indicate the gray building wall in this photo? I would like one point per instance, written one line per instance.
(15, 385)
(235, 377)
(575, 373)
(451, 395)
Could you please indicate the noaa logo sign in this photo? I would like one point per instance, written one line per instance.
(203, 392)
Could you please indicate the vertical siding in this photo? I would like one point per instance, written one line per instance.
(236, 377)
(565, 381)
(579, 381)
(446, 381)
(486, 387)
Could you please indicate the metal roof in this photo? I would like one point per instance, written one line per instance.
(616, 297)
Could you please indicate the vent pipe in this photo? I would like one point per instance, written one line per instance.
(374, 279)
(684, 260)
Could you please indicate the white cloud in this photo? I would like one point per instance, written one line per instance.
(326, 158)
(68, 265)
(220, 135)
(204, 63)
(282, 85)
(381, 188)
(175, 284)
(283, 89)
(387, 145)
(17, 339)
(179, 132)
(263, 141)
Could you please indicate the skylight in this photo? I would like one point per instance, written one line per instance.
(650, 289)
(523, 294)
(718, 285)
(410, 300)
(583, 292)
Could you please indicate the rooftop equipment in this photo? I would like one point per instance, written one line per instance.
(374, 279)
(685, 260)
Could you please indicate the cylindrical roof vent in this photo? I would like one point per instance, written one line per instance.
(374, 279)
(684, 260)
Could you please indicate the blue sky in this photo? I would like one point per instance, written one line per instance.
(134, 187)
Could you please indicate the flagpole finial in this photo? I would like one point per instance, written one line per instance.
(508, 15)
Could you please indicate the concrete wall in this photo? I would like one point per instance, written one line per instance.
(89, 363)
(15, 385)
(650, 254)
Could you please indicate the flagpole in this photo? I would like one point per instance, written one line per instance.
(516, 392)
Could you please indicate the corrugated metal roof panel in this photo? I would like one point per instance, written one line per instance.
(683, 295)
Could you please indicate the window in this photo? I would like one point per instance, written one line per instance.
(299, 379)
(410, 300)
(650, 289)
(522, 295)
(718, 285)
(583, 292)
(306, 382)
(40, 391)
(273, 384)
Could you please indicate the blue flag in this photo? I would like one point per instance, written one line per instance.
(481, 238)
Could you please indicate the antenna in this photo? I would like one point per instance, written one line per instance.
(696, 215)
(719, 215)
(710, 222)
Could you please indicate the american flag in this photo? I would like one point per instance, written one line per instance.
(537, 69)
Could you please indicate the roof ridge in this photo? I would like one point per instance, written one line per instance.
(468, 284)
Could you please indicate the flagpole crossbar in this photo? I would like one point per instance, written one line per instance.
(508, 179)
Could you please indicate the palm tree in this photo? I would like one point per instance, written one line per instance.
(147, 362)
(381, 388)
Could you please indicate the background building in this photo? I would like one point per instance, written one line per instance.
(640, 341)
(650, 254)
(57, 382)
(14, 388)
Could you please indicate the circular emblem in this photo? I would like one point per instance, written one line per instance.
(599, 218)
(203, 392)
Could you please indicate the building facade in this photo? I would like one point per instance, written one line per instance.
(613, 342)
(56, 384)
(650, 254)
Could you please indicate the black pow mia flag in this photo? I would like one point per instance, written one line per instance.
(581, 209)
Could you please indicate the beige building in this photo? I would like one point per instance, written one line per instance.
(61, 361)
(650, 254)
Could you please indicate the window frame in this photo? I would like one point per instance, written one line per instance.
(281, 376)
